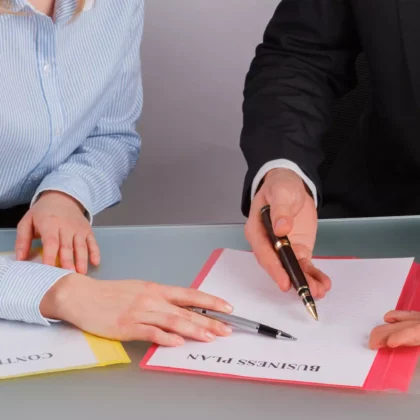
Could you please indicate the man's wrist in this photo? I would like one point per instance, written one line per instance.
(283, 164)
(273, 172)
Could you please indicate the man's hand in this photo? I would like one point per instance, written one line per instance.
(293, 213)
(402, 329)
(129, 310)
(59, 221)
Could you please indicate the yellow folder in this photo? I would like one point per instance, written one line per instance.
(105, 351)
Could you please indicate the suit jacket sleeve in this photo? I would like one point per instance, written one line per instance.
(305, 61)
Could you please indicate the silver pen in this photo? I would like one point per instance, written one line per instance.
(243, 324)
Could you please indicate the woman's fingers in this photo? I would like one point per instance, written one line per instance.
(80, 253)
(392, 334)
(183, 322)
(212, 325)
(24, 237)
(50, 238)
(142, 332)
(94, 251)
(185, 297)
(398, 316)
(174, 324)
(66, 249)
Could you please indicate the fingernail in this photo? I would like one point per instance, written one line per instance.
(179, 341)
(209, 336)
(228, 308)
(226, 329)
(280, 223)
(19, 254)
(81, 269)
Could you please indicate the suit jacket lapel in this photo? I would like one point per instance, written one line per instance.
(409, 12)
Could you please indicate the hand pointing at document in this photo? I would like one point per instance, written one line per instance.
(293, 213)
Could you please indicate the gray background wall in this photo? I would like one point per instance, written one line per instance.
(195, 56)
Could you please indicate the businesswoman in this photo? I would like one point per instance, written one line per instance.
(70, 97)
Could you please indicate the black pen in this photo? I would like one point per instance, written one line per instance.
(243, 324)
(290, 263)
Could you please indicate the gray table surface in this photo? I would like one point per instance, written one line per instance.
(126, 391)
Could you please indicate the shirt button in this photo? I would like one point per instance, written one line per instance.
(58, 132)
(35, 177)
(47, 68)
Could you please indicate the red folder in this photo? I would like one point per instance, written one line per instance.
(392, 369)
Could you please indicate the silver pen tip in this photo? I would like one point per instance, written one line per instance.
(286, 336)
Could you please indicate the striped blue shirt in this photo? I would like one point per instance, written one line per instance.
(71, 95)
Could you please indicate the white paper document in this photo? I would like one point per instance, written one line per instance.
(26, 349)
(333, 350)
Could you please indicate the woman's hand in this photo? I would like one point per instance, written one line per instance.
(130, 310)
(65, 232)
(402, 329)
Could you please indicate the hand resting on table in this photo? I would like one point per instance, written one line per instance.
(129, 310)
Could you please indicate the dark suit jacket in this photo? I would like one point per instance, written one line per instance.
(305, 62)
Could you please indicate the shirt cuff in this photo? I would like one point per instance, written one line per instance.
(286, 164)
(22, 288)
(69, 184)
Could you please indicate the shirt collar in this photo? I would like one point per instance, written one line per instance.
(19, 5)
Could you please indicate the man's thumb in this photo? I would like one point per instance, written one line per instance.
(285, 204)
(281, 219)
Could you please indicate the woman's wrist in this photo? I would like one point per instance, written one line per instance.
(57, 302)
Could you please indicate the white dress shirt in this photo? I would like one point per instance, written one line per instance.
(287, 164)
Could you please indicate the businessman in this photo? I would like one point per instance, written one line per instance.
(304, 63)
